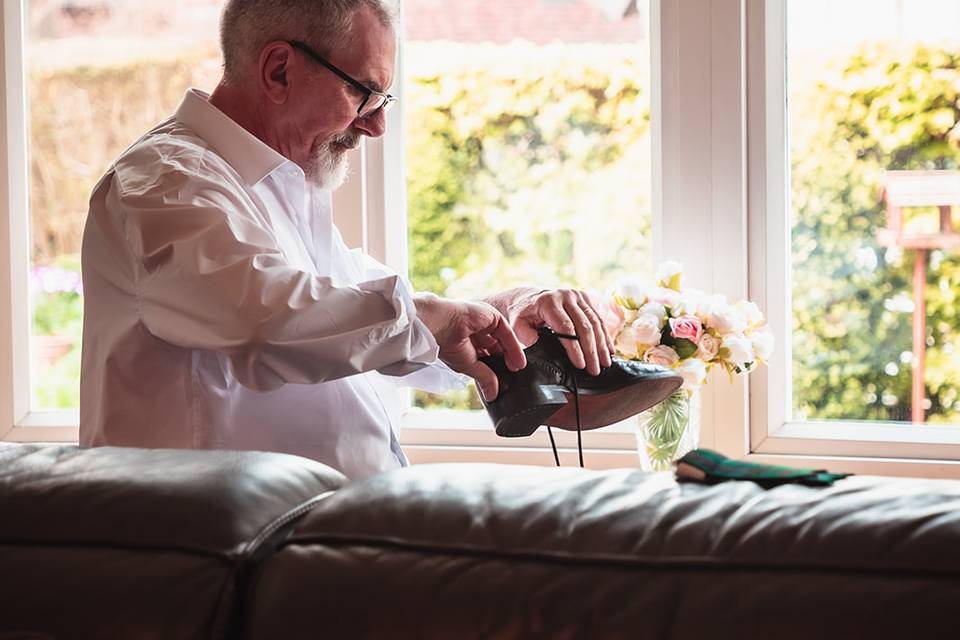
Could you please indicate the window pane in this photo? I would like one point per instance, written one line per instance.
(874, 90)
(99, 75)
(528, 147)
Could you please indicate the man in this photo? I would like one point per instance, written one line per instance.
(222, 309)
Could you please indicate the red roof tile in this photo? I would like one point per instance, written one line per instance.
(502, 21)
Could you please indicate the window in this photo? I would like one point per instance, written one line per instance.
(527, 147)
(855, 95)
(98, 75)
(735, 117)
(81, 82)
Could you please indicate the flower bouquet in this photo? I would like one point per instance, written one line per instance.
(690, 332)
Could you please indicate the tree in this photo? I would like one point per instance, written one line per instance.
(886, 109)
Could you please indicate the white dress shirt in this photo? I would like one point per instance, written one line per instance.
(222, 309)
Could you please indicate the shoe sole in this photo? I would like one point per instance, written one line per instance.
(604, 409)
(554, 406)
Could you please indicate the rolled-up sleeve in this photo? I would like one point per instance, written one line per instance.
(211, 276)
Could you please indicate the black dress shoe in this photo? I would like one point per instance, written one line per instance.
(541, 393)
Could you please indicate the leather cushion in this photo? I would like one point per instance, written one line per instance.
(210, 501)
(505, 551)
(138, 543)
(863, 522)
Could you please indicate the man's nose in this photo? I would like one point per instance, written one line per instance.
(373, 125)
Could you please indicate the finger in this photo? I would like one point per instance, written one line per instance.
(599, 336)
(513, 354)
(560, 322)
(483, 342)
(585, 334)
(487, 383)
(592, 302)
(599, 330)
(610, 339)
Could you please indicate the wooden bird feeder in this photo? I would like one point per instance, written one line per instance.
(912, 189)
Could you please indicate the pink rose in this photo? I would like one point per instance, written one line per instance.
(626, 343)
(662, 355)
(611, 314)
(688, 327)
(708, 347)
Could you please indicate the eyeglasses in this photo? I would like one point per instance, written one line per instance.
(373, 100)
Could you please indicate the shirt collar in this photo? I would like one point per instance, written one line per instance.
(246, 153)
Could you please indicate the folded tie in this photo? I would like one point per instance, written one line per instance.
(710, 467)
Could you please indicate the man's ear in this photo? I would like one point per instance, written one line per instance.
(275, 59)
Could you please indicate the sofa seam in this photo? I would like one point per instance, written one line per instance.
(674, 562)
(228, 619)
(282, 520)
(227, 557)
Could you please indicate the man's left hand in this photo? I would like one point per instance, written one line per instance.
(567, 311)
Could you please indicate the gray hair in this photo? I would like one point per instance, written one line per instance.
(246, 26)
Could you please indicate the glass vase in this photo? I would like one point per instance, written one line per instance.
(668, 430)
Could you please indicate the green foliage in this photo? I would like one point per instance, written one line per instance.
(885, 109)
(55, 313)
(466, 399)
(58, 312)
(664, 429)
(57, 386)
(524, 164)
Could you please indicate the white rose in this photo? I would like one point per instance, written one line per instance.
(751, 312)
(631, 290)
(762, 342)
(726, 319)
(693, 371)
(669, 273)
(666, 297)
(692, 302)
(655, 309)
(708, 347)
(646, 329)
(662, 355)
(740, 351)
(626, 343)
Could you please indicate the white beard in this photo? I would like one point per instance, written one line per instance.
(328, 167)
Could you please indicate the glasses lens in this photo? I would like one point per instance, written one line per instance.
(373, 104)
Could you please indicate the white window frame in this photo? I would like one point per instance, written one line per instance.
(719, 168)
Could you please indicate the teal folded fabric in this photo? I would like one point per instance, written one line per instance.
(710, 467)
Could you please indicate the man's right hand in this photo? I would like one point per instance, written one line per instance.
(467, 331)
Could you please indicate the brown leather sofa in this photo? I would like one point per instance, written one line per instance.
(128, 543)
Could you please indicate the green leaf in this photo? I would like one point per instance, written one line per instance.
(684, 348)
(666, 337)
(665, 427)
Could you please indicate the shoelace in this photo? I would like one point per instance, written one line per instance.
(576, 408)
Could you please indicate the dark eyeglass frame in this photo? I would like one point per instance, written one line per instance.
(368, 93)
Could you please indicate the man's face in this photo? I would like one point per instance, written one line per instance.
(324, 122)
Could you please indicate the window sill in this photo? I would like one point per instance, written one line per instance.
(432, 440)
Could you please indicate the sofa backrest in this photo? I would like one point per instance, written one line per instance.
(497, 551)
(137, 543)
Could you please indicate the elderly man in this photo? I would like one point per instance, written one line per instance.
(223, 309)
